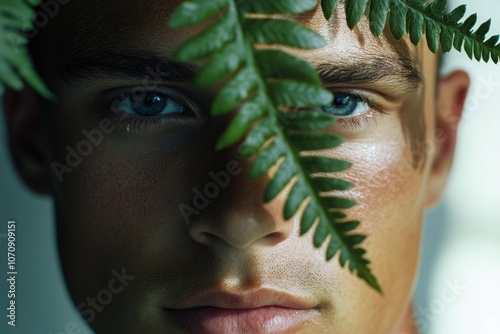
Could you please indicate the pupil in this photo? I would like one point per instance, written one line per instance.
(150, 100)
(151, 105)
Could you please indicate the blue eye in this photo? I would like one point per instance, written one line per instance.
(153, 104)
(346, 105)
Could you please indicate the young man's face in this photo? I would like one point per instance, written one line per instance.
(131, 203)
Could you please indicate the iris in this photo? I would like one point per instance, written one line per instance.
(153, 104)
(346, 105)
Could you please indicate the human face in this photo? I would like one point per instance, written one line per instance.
(119, 207)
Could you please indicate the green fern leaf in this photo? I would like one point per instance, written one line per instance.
(458, 42)
(297, 94)
(446, 39)
(235, 92)
(485, 55)
(330, 184)
(284, 174)
(221, 65)
(397, 19)
(195, 11)
(313, 141)
(355, 9)
(378, 16)
(282, 6)
(468, 47)
(470, 22)
(209, 41)
(338, 203)
(284, 32)
(249, 112)
(492, 41)
(266, 106)
(483, 30)
(416, 25)
(432, 32)
(439, 6)
(15, 64)
(455, 15)
(325, 165)
(329, 7)
(307, 120)
(280, 65)
(256, 138)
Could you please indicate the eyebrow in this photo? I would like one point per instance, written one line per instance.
(367, 69)
(400, 72)
(87, 67)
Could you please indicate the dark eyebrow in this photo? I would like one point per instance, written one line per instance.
(369, 69)
(88, 67)
(372, 69)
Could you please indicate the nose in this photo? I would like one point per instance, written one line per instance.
(238, 216)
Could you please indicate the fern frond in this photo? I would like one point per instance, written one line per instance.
(445, 29)
(15, 64)
(419, 17)
(265, 89)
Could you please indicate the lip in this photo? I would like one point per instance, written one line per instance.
(258, 311)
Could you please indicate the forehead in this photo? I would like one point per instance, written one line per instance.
(119, 26)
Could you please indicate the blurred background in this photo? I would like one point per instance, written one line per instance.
(458, 289)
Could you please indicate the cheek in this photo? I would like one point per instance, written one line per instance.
(388, 190)
(120, 204)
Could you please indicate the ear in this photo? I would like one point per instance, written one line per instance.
(450, 103)
(25, 138)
